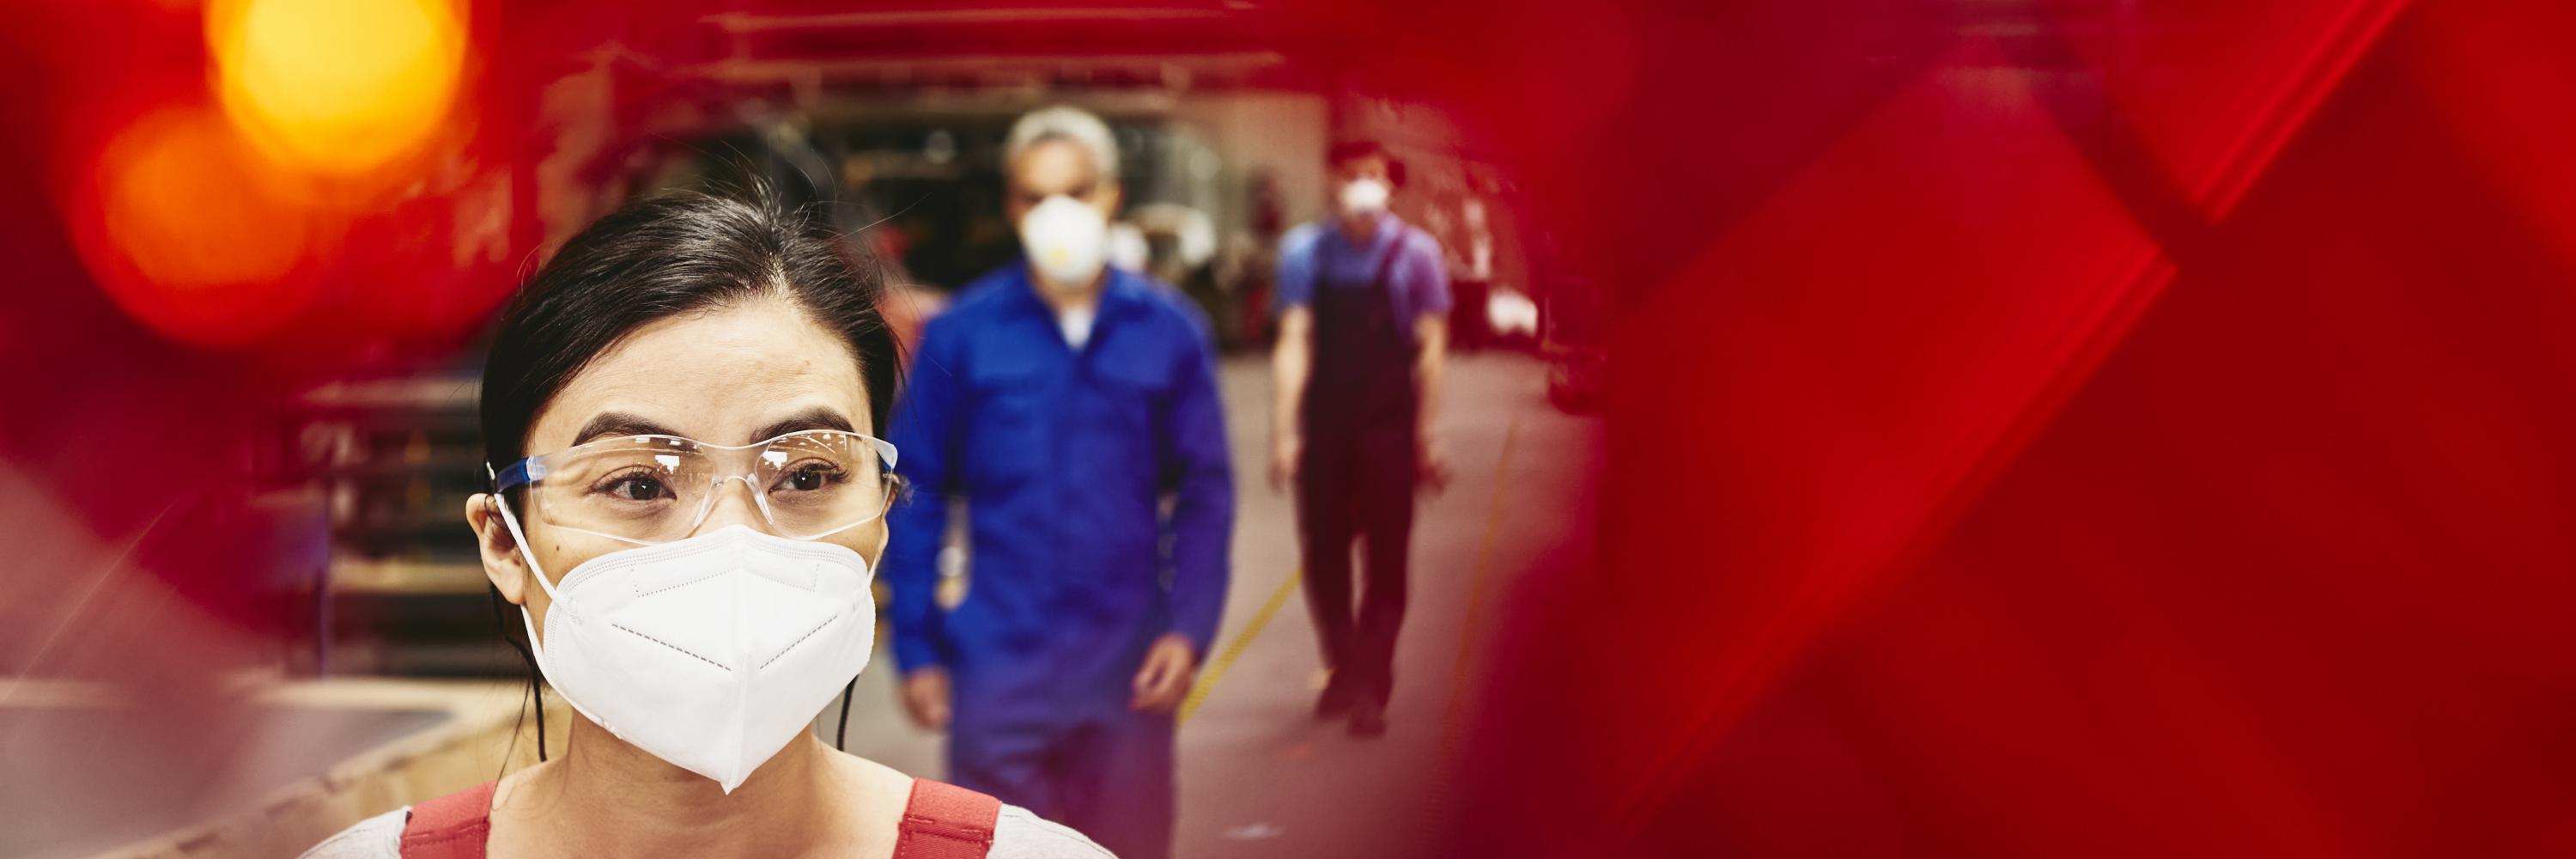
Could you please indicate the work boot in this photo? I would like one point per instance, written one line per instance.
(1336, 700)
(1368, 716)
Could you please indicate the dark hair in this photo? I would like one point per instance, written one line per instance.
(669, 254)
(673, 253)
(1353, 150)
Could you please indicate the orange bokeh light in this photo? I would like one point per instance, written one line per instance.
(189, 233)
(336, 87)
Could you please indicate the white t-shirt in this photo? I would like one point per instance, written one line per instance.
(1075, 322)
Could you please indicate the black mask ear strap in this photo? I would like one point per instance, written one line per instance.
(538, 691)
(536, 685)
(843, 732)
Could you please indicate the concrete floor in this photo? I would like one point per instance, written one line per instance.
(1259, 777)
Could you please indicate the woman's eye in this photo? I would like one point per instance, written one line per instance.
(811, 477)
(635, 489)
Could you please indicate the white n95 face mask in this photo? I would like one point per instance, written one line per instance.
(1365, 197)
(1067, 241)
(711, 652)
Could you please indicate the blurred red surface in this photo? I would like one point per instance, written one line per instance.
(2111, 430)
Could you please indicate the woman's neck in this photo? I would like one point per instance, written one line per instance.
(605, 797)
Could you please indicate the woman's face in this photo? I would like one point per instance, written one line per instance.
(732, 375)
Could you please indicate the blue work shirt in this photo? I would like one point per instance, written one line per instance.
(1065, 457)
(1318, 255)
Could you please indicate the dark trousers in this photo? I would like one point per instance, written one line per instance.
(1357, 487)
(1108, 777)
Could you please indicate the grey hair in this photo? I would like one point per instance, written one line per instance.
(1065, 122)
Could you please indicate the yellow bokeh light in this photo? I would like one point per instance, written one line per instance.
(336, 86)
(184, 227)
(189, 213)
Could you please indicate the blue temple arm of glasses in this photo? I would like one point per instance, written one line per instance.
(520, 473)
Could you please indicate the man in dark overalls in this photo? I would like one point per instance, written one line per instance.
(1362, 299)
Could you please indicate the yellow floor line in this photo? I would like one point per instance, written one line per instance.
(1234, 648)
(1459, 675)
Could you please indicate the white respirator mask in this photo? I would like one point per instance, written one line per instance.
(1067, 241)
(1365, 197)
(710, 652)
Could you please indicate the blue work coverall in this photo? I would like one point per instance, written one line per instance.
(1066, 457)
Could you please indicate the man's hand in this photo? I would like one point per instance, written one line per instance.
(1291, 361)
(1431, 463)
(1283, 462)
(1170, 666)
(925, 696)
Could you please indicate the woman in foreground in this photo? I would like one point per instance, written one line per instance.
(687, 506)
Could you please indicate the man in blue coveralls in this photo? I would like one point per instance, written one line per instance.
(1363, 300)
(1070, 405)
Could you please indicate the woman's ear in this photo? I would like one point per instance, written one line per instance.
(502, 562)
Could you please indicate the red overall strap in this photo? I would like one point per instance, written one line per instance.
(450, 827)
(944, 821)
(941, 821)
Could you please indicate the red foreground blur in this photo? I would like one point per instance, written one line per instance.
(2111, 431)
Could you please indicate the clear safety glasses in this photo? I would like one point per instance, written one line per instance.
(658, 488)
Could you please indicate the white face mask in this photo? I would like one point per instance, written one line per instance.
(1364, 197)
(1067, 241)
(711, 652)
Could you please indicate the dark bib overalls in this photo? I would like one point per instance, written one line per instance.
(1355, 480)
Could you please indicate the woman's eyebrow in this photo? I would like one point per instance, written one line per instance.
(618, 424)
(814, 418)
